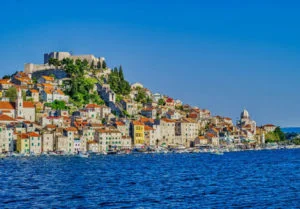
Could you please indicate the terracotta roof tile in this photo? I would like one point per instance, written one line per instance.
(7, 105)
(48, 78)
(6, 118)
(27, 104)
(90, 106)
(33, 134)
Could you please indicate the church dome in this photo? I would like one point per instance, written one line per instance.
(245, 114)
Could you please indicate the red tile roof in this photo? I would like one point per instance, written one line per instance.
(90, 106)
(28, 104)
(269, 125)
(5, 81)
(34, 91)
(148, 128)
(168, 120)
(48, 78)
(6, 118)
(119, 123)
(210, 135)
(137, 123)
(169, 100)
(24, 136)
(33, 134)
(7, 105)
(71, 129)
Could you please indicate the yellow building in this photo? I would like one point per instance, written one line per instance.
(23, 143)
(138, 133)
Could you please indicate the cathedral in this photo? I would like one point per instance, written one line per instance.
(247, 126)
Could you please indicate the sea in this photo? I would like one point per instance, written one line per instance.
(291, 130)
(249, 179)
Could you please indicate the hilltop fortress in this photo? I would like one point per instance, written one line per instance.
(31, 68)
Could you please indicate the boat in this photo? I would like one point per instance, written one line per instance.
(111, 152)
(83, 155)
(217, 152)
(103, 153)
(2, 156)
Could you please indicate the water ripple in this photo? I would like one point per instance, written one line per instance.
(265, 179)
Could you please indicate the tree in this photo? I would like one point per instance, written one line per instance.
(6, 77)
(99, 64)
(115, 71)
(55, 62)
(280, 134)
(11, 93)
(121, 75)
(34, 80)
(103, 64)
(275, 136)
(117, 82)
(92, 64)
(59, 105)
(161, 101)
(141, 95)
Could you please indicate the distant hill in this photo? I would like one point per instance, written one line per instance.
(291, 130)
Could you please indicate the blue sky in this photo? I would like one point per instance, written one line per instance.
(216, 55)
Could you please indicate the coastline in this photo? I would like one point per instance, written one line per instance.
(217, 151)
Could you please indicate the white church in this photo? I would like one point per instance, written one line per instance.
(20, 110)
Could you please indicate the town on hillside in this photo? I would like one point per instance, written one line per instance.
(77, 104)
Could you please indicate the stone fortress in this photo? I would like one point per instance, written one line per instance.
(31, 68)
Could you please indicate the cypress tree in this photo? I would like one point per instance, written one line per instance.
(103, 64)
(121, 75)
(99, 65)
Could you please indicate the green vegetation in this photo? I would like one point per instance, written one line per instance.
(119, 98)
(117, 82)
(57, 105)
(99, 65)
(11, 93)
(296, 141)
(55, 62)
(161, 101)
(81, 88)
(275, 136)
(125, 113)
(103, 64)
(141, 96)
(6, 77)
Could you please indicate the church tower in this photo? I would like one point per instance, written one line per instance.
(19, 104)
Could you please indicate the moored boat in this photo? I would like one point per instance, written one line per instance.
(217, 152)
(83, 155)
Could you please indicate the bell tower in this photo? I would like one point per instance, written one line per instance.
(19, 104)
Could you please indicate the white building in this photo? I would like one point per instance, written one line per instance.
(108, 139)
(77, 145)
(48, 142)
(167, 128)
(35, 143)
(19, 109)
(186, 130)
(6, 139)
(126, 142)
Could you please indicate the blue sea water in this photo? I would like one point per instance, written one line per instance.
(252, 179)
(291, 130)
